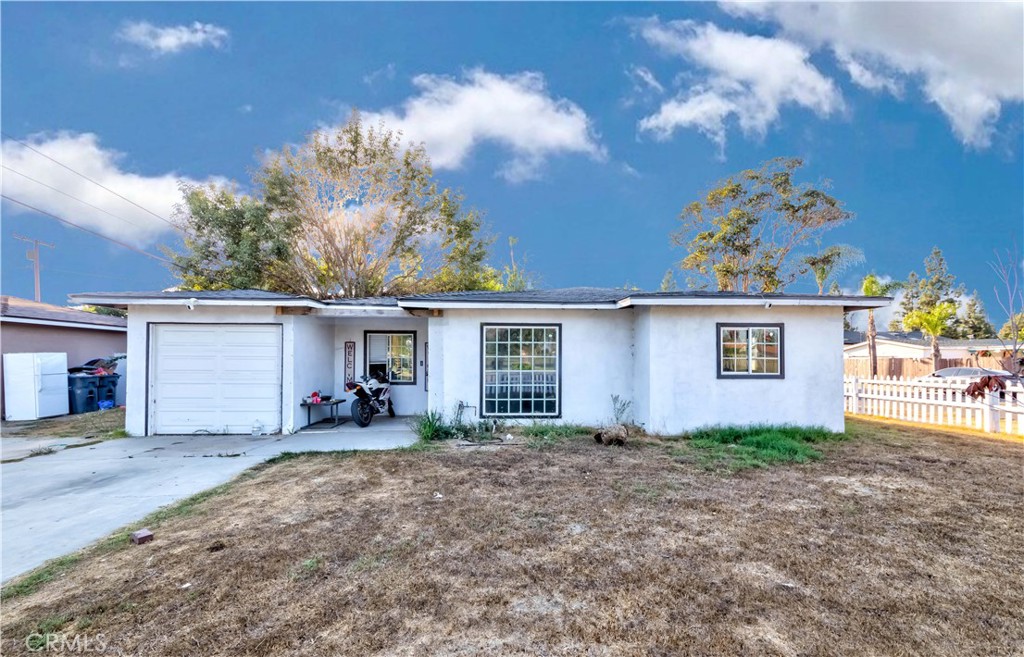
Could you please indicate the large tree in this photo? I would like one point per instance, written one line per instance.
(873, 286)
(935, 287)
(231, 241)
(373, 219)
(740, 235)
(974, 323)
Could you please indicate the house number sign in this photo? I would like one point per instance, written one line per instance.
(350, 361)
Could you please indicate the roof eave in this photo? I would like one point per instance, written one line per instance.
(512, 305)
(847, 304)
(124, 302)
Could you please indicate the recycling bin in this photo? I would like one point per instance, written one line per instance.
(83, 393)
(106, 392)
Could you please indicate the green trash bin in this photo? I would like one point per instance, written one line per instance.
(83, 393)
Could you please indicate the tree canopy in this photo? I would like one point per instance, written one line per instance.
(741, 234)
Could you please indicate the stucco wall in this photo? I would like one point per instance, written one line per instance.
(596, 358)
(80, 345)
(409, 399)
(686, 393)
(892, 350)
(139, 319)
(308, 366)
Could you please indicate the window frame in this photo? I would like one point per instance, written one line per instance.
(720, 326)
(366, 354)
(558, 365)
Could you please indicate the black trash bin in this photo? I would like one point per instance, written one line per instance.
(107, 388)
(83, 393)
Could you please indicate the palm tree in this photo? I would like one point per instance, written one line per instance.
(872, 286)
(931, 323)
(832, 260)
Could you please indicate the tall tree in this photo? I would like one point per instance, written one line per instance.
(872, 286)
(830, 261)
(935, 287)
(932, 323)
(740, 236)
(374, 221)
(231, 241)
(974, 323)
(908, 303)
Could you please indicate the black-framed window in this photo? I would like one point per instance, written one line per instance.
(521, 370)
(750, 351)
(391, 356)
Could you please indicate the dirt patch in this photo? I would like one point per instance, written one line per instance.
(99, 424)
(577, 549)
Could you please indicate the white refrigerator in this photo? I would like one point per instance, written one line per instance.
(35, 385)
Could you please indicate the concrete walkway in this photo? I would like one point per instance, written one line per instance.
(58, 503)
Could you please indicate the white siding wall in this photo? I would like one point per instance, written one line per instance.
(408, 399)
(685, 390)
(596, 359)
(139, 319)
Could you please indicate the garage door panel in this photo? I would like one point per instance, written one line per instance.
(216, 378)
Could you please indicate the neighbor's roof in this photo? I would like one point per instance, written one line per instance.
(570, 297)
(918, 339)
(20, 310)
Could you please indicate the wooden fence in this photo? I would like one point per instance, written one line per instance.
(941, 402)
(910, 368)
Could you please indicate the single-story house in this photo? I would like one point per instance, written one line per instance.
(224, 361)
(917, 345)
(32, 327)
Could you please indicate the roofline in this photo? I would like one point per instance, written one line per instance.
(428, 304)
(53, 322)
(848, 303)
(114, 301)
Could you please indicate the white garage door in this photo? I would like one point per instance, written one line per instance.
(220, 378)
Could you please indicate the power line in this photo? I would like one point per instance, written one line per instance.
(94, 207)
(167, 221)
(87, 230)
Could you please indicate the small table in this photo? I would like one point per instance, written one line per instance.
(332, 405)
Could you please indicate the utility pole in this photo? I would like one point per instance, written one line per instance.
(33, 255)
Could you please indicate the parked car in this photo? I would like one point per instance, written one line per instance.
(963, 373)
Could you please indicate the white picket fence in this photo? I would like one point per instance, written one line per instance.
(940, 402)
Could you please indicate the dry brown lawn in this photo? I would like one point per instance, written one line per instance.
(900, 541)
(98, 424)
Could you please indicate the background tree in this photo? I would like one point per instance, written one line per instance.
(937, 286)
(908, 303)
(831, 261)
(231, 241)
(834, 291)
(740, 235)
(1010, 296)
(668, 282)
(932, 323)
(974, 323)
(373, 219)
(1014, 325)
(872, 286)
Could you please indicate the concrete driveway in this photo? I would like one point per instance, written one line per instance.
(58, 503)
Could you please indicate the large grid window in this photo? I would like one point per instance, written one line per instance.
(521, 371)
(391, 356)
(750, 351)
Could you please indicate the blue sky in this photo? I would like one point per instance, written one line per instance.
(581, 129)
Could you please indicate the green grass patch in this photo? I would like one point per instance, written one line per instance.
(544, 435)
(48, 572)
(737, 448)
(431, 427)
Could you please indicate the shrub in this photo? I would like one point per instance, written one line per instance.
(431, 426)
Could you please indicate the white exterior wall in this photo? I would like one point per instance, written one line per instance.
(641, 408)
(308, 366)
(888, 349)
(139, 319)
(408, 399)
(686, 392)
(596, 359)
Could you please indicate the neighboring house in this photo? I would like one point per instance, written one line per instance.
(223, 361)
(918, 345)
(33, 327)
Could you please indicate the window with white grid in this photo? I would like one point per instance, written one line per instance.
(750, 350)
(520, 370)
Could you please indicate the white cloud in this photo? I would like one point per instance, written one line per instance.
(83, 153)
(967, 58)
(172, 39)
(644, 79)
(245, 109)
(384, 73)
(747, 77)
(873, 79)
(516, 112)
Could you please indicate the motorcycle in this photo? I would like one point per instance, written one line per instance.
(373, 396)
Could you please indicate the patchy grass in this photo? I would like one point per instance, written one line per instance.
(735, 448)
(99, 424)
(30, 583)
(544, 435)
(897, 541)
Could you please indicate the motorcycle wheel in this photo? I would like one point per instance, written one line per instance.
(391, 409)
(362, 413)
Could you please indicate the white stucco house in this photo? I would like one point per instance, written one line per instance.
(221, 361)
